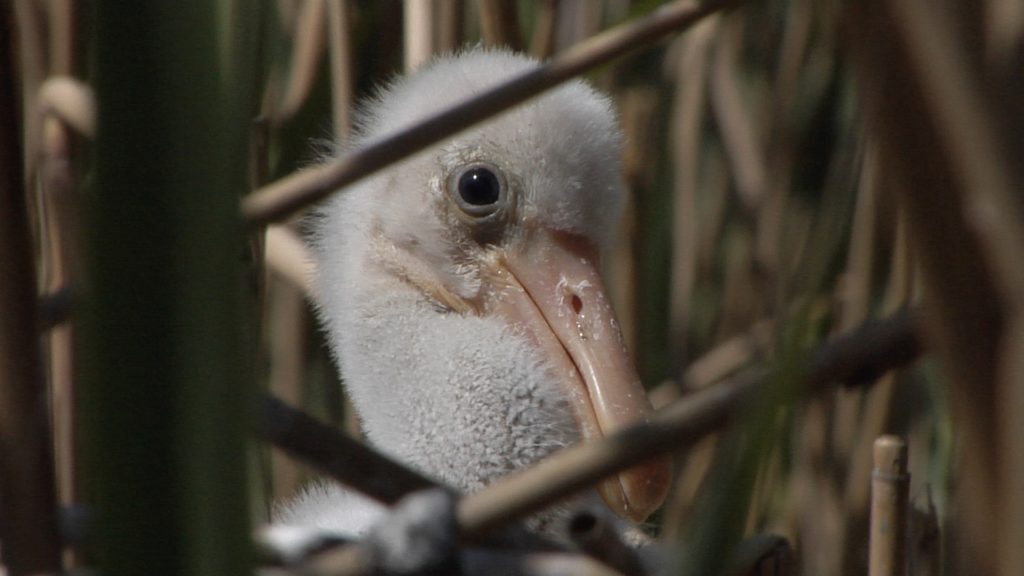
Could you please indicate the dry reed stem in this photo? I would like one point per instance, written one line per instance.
(576, 21)
(32, 69)
(1004, 33)
(963, 109)
(281, 198)
(851, 359)
(878, 400)
(715, 195)
(542, 44)
(620, 270)
(286, 330)
(638, 110)
(691, 54)
(853, 297)
(61, 24)
(28, 512)
(340, 51)
(728, 356)
(945, 146)
(738, 130)
(889, 486)
(793, 53)
(449, 26)
(690, 474)
(499, 23)
(418, 31)
(58, 192)
(308, 46)
(287, 256)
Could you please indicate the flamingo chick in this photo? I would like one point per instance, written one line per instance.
(461, 294)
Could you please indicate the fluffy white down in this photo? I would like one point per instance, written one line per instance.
(460, 397)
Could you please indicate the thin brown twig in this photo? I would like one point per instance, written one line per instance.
(281, 198)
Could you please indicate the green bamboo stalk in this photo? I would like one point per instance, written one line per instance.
(164, 400)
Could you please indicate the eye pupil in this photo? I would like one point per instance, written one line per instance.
(479, 187)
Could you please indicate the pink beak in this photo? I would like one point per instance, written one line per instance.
(554, 290)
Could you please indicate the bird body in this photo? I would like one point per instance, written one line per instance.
(460, 290)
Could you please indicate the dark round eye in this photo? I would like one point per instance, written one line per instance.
(479, 186)
(480, 192)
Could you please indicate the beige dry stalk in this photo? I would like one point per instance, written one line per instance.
(889, 486)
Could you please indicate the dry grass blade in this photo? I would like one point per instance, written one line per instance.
(291, 193)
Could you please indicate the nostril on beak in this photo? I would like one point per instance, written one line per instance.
(577, 304)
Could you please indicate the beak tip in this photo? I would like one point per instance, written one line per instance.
(636, 493)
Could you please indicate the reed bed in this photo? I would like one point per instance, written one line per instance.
(819, 276)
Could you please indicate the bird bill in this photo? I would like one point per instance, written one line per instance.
(552, 287)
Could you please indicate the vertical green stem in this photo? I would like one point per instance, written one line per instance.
(165, 402)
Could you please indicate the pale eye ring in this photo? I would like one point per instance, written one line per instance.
(478, 190)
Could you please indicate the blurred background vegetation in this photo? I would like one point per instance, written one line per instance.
(795, 167)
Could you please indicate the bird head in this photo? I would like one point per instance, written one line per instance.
(501, 225)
